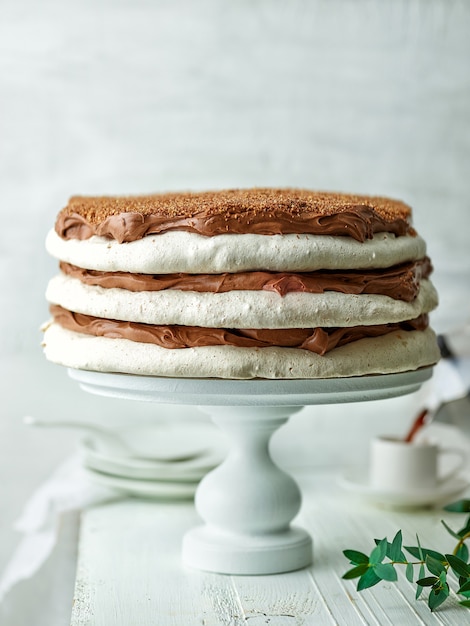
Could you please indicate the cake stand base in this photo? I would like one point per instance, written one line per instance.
(248, 502)
(206, 549)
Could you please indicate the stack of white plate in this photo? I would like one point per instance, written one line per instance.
(165, 461)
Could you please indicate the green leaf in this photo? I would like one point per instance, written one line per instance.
(435, 566)
(420, 548)
(409, 572)
(356, 557)
(463, 581)
(461, 506)
(395, 552)
(355, 572)
(449, 530)
(459, 567)
(369, 579)
(379, 552)
(401, 558)
(416, 552)
(465, 587)
(466, 529)
(419, 588)
(462, 552)
(436, 598)
(385, 571)
(465, 603)
(428, 581)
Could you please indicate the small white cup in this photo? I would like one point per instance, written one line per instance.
(397, 466)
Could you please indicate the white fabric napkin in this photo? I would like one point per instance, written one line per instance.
(67, 489)
(449, 382)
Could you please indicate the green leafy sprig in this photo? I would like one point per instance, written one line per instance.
(435, 570)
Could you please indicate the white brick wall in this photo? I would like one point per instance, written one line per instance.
(103, 96)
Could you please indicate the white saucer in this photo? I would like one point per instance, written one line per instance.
(168, 441)
(357, 481)
(144, 488)
(141, 469)
(204, 441)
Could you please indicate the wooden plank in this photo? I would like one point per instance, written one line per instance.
(130, 573)
(282, 599)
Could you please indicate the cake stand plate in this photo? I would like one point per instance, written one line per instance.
(258, 392)
(248, 502)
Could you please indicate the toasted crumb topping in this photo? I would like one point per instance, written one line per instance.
(296, 202)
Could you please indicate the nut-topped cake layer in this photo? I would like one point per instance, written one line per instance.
(261, 211)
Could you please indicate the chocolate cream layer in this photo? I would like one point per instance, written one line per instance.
(401, 282)
(318, 340)
(236, 211)
(360, 224)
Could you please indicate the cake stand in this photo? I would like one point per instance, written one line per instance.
(248, 502)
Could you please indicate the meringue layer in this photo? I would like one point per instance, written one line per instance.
(237, 309)
(185, 252)
(395, 352)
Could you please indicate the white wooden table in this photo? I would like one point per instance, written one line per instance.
(130, 573)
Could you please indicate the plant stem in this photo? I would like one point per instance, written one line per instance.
(460, 543)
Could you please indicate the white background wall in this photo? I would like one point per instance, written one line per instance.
(109, 96)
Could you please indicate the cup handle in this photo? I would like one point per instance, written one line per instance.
(462, 459)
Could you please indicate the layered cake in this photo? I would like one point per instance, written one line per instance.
(251, 283)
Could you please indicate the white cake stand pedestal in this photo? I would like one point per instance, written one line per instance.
(248, 502)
